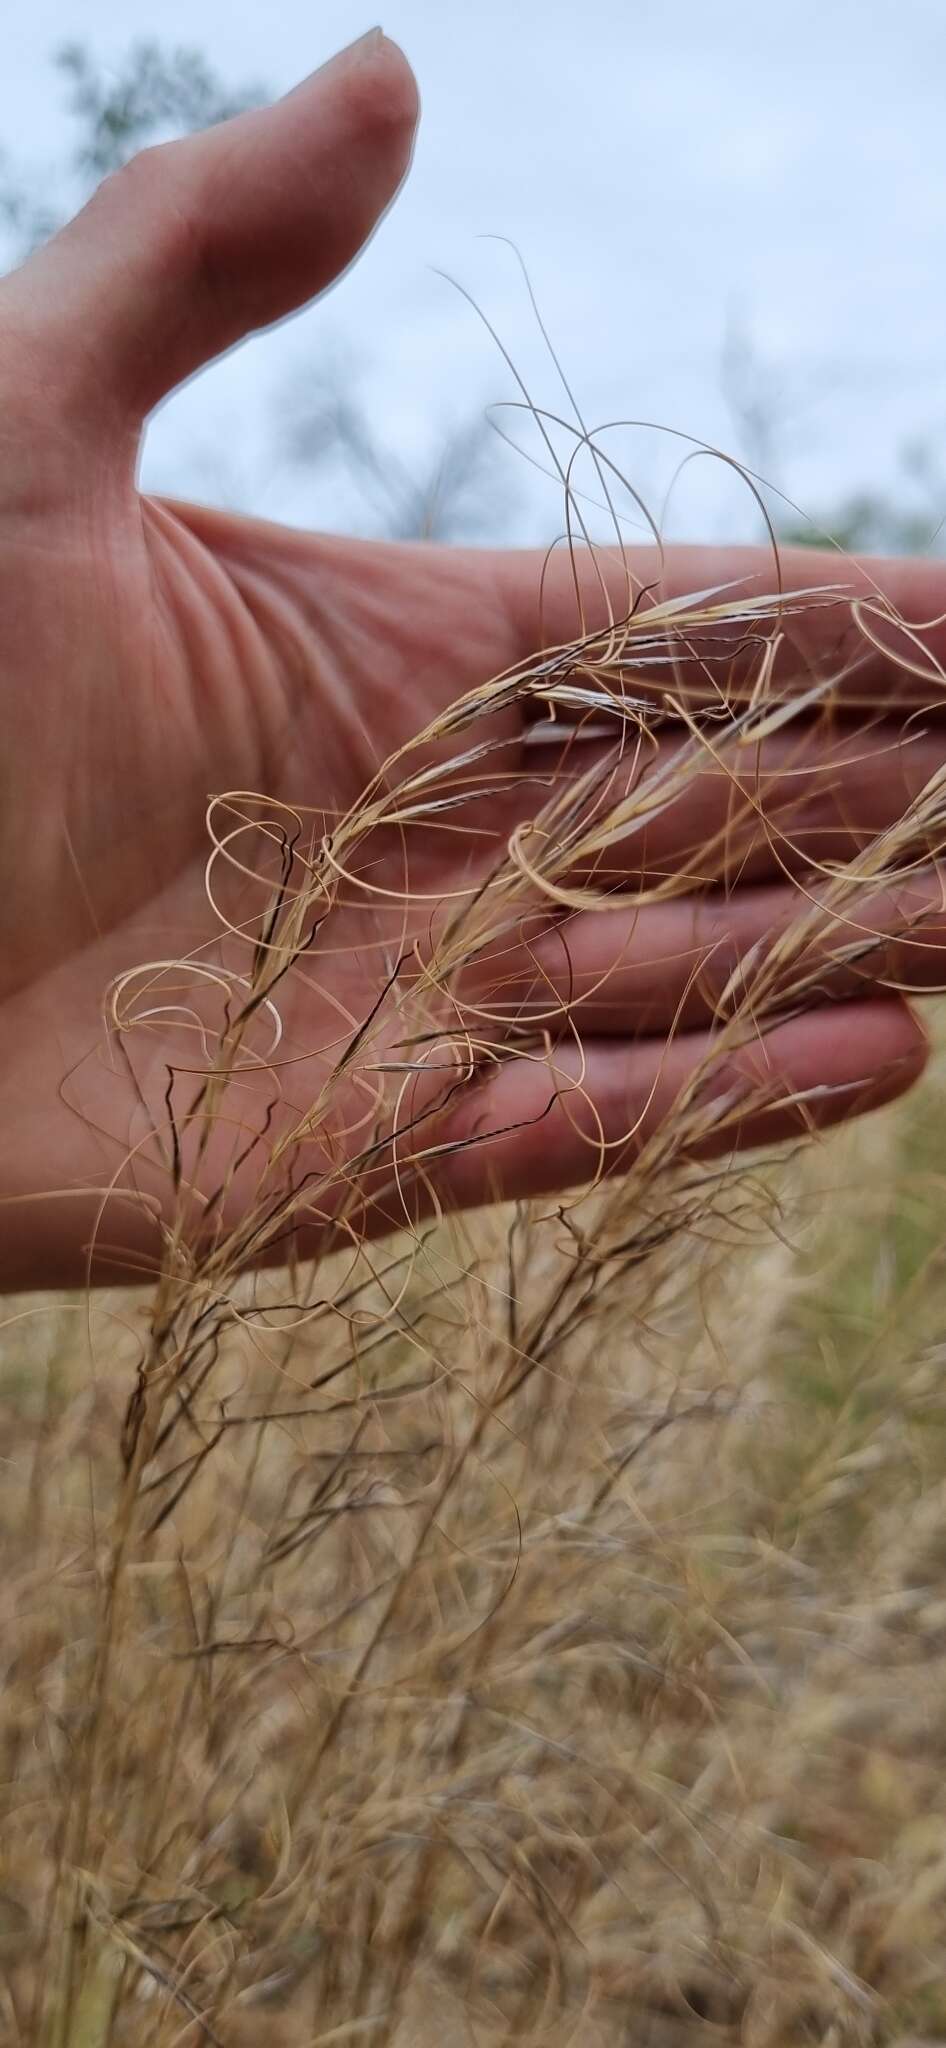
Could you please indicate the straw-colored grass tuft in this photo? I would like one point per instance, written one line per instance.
(520, 1628)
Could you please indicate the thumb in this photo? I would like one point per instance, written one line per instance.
(195, 244)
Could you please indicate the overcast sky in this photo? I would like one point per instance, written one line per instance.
(669, 169)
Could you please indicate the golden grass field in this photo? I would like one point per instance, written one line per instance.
(608, 1708)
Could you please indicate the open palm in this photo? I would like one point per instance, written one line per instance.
(154, 653)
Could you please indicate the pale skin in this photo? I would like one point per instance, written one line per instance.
(152, 653)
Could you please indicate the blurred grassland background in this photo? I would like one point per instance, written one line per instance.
(611, 1712)
(626, 1725)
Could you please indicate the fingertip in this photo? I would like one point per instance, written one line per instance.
(401, 93)
(383, 102)
(378, 83)
(907, 1049)
(847, 1060)
(814, 1071)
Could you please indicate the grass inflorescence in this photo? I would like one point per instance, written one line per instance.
(501, 1627)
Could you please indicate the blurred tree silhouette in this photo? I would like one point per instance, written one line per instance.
(153, 94)
(910, 522)
(154, 91)
(450, 496)
(765, 403)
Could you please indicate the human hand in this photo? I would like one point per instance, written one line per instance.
(154, 652)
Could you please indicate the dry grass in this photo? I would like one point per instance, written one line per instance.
(626, 1726)
(529, 1630)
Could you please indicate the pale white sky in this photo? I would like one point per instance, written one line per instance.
(664, 168)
